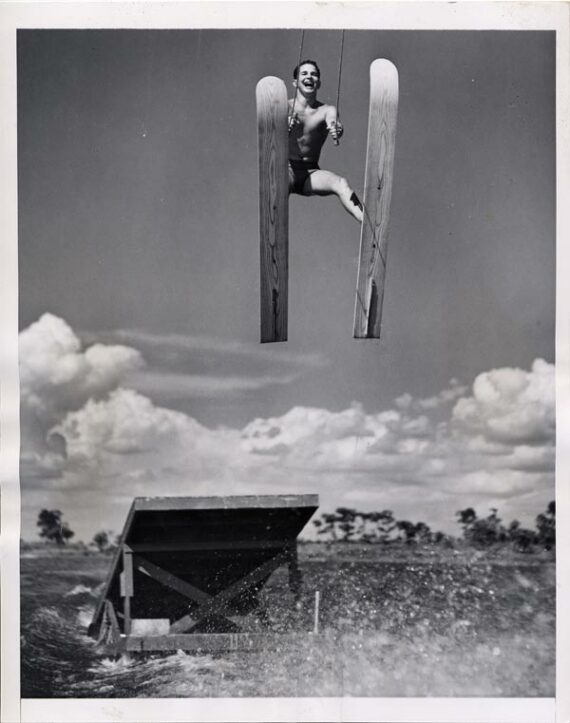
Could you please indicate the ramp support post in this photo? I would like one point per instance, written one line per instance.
(127, 587)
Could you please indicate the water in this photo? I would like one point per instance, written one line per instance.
(390, 628)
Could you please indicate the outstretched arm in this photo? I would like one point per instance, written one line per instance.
(334, 126)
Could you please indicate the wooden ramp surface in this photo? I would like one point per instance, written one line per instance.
(197, 561)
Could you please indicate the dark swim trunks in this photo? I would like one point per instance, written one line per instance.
(299, 171)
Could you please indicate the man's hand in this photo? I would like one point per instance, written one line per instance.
(293, 121)
(335, 130)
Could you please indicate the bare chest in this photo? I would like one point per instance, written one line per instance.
(312, 119)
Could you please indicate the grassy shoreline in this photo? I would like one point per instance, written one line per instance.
(461, 553)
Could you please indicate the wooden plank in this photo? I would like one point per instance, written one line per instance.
(212, 642)
(186, 622)
(104, 628)
(127, 587)
(205, 546)
(377, 198)
(231, 502)
(218, 603)
(127, 614)
(113, 573)
(114, 631)
(171, 581)
(146, 627)
(271, 100)
(182, 624)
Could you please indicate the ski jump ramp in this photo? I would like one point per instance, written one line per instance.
(188, 572)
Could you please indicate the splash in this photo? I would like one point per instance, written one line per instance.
(80, 590)
(389, 628)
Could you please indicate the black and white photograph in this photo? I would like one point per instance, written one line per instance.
(287, 335)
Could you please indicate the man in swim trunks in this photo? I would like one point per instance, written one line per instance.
(310, 122)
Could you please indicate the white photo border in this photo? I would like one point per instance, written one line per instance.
(193, 15)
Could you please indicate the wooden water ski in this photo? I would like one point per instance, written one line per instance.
(377, 196)
(271, 98)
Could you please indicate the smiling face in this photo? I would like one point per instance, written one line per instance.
(308, 79)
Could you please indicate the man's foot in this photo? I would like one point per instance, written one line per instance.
(355, 200)
(358, 212)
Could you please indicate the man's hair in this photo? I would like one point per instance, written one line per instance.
(306, 62)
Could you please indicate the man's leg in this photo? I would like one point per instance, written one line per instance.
(326, 183)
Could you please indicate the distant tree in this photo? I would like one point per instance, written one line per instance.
(423, 533)
(408, 530)
(346, 521)
(385, 525)
(513, 527)
(52, 528)
(440, 538)
(415, 533)
(348, 524)
(546, 526)
(523, 540)
(482, 532)
(102, 541)
(330, 521)
(495, 530)
(366, 532)
(467, 517)
(326, 526)
(360, 526)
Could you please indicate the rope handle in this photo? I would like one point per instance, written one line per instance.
(298, 63)
(335, 140)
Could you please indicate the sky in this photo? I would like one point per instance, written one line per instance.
(140, 363)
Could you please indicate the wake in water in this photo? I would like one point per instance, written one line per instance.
(388, 630)
(369, 663)
(54, 653)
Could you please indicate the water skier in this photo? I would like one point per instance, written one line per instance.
(310, 122)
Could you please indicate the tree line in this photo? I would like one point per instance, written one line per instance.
(349, 525)
(52, 528)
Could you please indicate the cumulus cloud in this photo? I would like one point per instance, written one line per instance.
(450, 394)
(57, 375)
(126, 433)
(510, 406)
(493, 441)
(303, 430)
